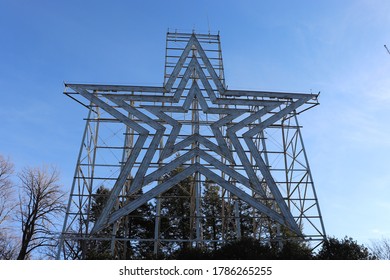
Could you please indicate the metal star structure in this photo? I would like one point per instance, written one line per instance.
(169, 130)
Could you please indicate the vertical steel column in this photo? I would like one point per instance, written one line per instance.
(321, 221)
(61, 245)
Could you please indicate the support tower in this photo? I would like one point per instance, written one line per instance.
(188, 164)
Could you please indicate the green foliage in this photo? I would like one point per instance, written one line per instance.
(212, 213)
(136, 225)
(97, 249)
(345, 249)
(294, 251)
(98, 254)
(177, 212)
(99, 199)
(252, 249)
(244, 249)
(247, 249)
(191, 254)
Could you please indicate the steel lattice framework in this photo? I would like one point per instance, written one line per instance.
(248, 143)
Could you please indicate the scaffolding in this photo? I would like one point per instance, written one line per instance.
(233, 159)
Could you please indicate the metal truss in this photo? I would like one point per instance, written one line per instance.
(248, 143)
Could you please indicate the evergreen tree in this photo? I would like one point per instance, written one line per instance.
(136, 225)
(294, 250)
(177, 213)
(98, 249)
(345, 249)
(212, 214)
(245, 249)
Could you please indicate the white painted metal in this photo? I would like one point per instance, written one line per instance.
(230, 150)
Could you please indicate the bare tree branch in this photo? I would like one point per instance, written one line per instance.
(8, 244)
(8, 247)
(41, 201)
(381, 248)
(6, 202)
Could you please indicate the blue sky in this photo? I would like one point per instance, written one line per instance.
(335, 47)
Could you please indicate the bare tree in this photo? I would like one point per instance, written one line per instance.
(8, 246)
(381, 248)
(40, 204)
(6, 203)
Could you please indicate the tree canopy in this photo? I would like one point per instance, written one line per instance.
(344, 249)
